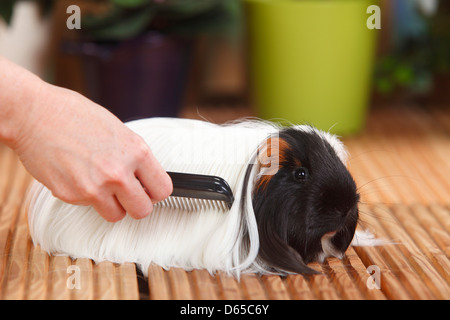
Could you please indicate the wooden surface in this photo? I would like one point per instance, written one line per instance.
(401, 164)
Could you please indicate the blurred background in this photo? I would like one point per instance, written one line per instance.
(314, 61)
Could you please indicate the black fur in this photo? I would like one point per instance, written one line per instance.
(295, 209)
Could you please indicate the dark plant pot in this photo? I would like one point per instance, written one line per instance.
(138, 78)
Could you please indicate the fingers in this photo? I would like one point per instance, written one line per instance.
(128, 197)
(134, 199)
(128, 189)
(110, 209)
(134, 193)
(150, 184)
(155, 179)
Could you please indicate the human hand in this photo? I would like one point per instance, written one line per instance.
(87, 156)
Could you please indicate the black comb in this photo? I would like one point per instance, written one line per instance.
(198, 186)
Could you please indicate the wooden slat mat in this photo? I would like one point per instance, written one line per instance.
(401, 164)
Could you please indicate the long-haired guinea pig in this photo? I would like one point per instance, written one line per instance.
(295, 202)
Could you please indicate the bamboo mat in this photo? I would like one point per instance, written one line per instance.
(401, 164)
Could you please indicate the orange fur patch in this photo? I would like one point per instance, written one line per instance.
(270, 157)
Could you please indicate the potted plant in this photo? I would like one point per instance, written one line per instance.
(136, 53)
(311, 61)
(417, 67)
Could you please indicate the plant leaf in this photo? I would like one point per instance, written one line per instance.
(130, 3)
(118, 24)
(6, 10)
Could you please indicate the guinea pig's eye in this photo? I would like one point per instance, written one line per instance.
(300, 174)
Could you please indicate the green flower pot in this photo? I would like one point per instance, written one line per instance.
(310, 61)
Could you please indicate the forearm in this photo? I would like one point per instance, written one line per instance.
(19, 90)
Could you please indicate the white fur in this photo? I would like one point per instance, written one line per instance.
(365, 238)
(207, 239)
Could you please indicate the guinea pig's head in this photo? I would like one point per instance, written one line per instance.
(305, 200)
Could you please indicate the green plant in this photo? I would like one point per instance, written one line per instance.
(417, 57)
(7, 7)
(127, 18)
(123, 19)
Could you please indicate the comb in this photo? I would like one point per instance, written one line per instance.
(197, 191)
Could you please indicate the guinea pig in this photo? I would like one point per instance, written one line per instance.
(295, 202)
(308, 209)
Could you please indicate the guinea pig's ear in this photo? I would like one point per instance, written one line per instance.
(271, 155)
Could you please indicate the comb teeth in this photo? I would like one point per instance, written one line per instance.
(193, 204)
(197, 191)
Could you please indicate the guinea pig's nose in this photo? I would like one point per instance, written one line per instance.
(345, 211)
